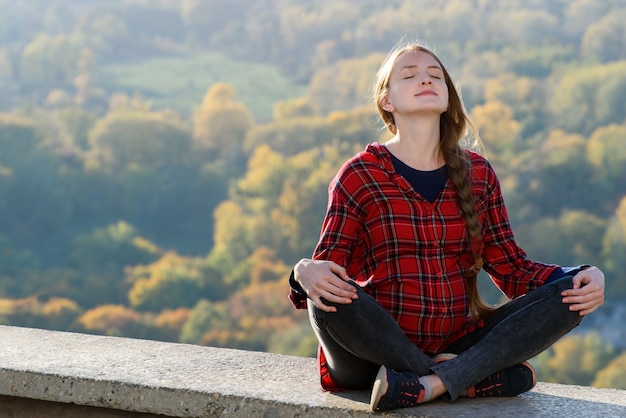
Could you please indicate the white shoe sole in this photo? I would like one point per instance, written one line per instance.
(380, 387)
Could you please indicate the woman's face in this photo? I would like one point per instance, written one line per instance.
(416, 85)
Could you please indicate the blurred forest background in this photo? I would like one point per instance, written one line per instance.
(164, 163)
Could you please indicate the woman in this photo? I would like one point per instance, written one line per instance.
(391, 289)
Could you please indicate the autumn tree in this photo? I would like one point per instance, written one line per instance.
(169, 323)
(205, 316)
(297, 339)
(263, 265)
(255, 313)
(296, 108)
(613, 375)
(59, 314)
(588, 352)
(173, 282)
(499, 132)
(219, 128)
(525, 96)
(580, 105)
(115, 320)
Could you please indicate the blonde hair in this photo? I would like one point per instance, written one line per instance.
(455, 130)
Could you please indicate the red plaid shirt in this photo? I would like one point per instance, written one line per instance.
(411, 255)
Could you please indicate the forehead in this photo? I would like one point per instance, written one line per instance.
(415, 59)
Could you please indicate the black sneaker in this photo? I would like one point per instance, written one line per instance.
(512, 381)
(394, 389)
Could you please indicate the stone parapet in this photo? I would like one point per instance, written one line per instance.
(51, 373)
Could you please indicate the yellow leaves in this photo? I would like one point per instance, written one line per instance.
(508, 88)
(296, 108)
(172, 318)
(265, 171)
(110, 319)
(575, 359)
(606, 148)
(560, 147)
(58, 306)
(220, 123)
(613, 375)
(497, 129)
(171, 281)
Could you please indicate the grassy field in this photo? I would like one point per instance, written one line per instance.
(181, 82)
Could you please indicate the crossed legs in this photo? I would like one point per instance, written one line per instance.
(362, 336)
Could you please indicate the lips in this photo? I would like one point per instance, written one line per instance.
(426, 93)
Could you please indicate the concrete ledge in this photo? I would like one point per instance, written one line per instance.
(147, 378)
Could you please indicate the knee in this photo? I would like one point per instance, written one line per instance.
(565, 283)
(562, 284)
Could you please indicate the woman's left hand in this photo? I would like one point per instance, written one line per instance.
(587, 295)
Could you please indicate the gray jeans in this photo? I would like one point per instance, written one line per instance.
(362, 336)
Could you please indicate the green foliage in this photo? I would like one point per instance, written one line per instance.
(110, 249)
(13, 262)
(204, 317)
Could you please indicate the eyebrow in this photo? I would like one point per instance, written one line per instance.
(430, 67)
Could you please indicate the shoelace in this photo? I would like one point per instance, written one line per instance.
(410, 391)
(491, 386)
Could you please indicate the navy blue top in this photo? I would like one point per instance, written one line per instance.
(427, 183)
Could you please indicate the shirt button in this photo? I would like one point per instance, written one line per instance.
(436, 243)
(439, 275)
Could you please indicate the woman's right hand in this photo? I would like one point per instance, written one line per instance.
(324, 279)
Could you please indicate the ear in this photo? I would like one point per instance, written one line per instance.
(388, 107)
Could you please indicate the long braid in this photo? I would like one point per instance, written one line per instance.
(458, 169)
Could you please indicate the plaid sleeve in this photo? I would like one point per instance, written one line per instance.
(340, 227)
(343, 221)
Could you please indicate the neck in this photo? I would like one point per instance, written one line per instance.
(417, 144)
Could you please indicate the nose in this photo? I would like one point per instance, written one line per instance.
(426, 81)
